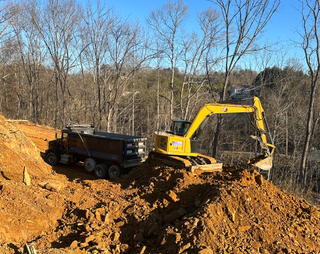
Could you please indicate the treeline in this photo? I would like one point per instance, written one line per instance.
(64, 62)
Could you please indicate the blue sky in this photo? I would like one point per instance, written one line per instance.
(281, 28)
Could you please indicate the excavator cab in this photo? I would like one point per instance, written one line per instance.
(179, 127)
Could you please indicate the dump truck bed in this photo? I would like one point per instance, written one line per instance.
(125, 150)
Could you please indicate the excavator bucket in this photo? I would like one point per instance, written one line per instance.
(261, 162)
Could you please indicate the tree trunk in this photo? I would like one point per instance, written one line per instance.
(220, 118)
(303, 170)
(171, 89)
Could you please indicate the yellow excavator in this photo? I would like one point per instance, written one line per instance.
(178, 146)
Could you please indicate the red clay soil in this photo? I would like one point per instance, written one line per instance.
(153, 209)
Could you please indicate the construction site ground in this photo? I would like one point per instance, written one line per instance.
(152, 209)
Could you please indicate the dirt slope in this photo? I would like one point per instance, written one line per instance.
(25, 209)
(153, 209)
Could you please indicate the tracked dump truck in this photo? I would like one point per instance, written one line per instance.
(107, 155)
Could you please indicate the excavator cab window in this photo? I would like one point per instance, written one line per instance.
(180, 127)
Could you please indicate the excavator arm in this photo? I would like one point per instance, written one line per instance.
(216, 108)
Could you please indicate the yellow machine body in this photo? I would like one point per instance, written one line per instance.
(181, 144)
(171, 144)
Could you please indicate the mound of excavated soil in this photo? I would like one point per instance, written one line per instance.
(153, 209)
(17, 152)
(26, 210)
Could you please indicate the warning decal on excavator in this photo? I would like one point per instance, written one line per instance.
(163, 142)
(176, 143)
(224, 109)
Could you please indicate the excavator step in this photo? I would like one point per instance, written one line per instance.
(66, 159)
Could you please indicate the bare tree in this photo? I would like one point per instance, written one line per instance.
(7, 14)
(126, 42)
(32, 55)
(96, 32)
(167, 21)
(58, 23)
(310, 13)
(196, 54)
(243, 21)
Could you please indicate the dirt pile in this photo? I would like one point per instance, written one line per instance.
(17, 152)
(234, 211)
(26, 210)
(153, 209)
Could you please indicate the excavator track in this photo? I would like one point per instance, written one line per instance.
(196, 165)
(208, 159)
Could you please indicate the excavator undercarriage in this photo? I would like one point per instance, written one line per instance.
(195, 164)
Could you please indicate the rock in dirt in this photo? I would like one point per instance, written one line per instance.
(26, 177)
(205, 251)
(74, 244)
(174, 215)
(173, 196)
(139, 238)
(52, 185)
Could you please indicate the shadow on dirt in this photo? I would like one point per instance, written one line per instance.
(175, 198)
(7, 178)
(154, 232)
(14, 247)
(71, 171)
